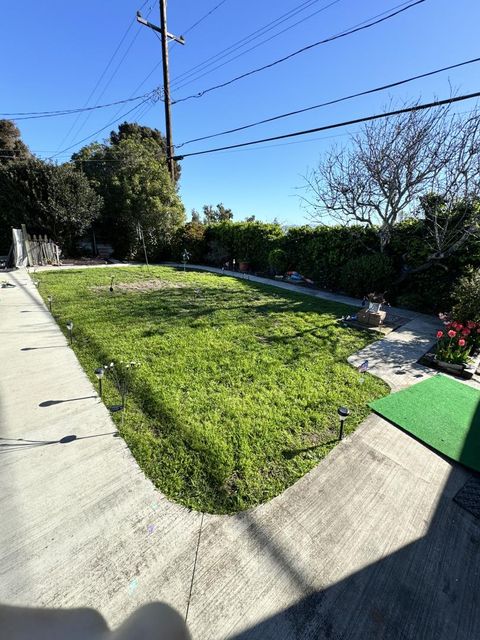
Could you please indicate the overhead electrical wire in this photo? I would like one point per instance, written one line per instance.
(299, 51)
(92, 93)
(112, 75)
(378, 116)
(115, 71)
(137, 106)
(330, 102)
(28, 115)
(232, 48)
(243, 42)
(259, 44)
(204, 17)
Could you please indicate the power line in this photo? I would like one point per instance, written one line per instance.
(137, 106)
(302, 50)
(204, 17)
(418, 107)
(259, 44)
(74, 124)
(232, 47)
(112, 75)
(245, 40)
(331, 102)
(28, 115)
(115, 71)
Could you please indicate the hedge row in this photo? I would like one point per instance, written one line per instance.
(344, 259)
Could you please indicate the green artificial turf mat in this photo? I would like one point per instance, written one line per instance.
(441, 412)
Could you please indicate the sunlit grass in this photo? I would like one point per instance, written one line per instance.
(239, 384)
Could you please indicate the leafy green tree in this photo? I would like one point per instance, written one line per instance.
(132, 177)
(216, 214)
(11, 145)
(48, 199)
(195, 216)
(135, 131)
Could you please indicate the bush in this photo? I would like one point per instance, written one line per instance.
(368, 273)
(245, 241)
(320, 252)
(343, 258)
(466, 295)
(277, 260)
(192, 238)
(428, 291)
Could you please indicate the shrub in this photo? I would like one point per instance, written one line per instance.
(428, 291)
(466, 295)
(245, 241)
(253, 241)
(192, 238)
(277, 260)
(370, 272)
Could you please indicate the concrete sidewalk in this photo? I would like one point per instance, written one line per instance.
(367, 545)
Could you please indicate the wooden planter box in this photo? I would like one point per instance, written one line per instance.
(465, 371)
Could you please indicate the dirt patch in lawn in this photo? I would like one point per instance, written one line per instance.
(142, 285)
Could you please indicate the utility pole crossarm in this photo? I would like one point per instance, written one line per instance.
(170, 36)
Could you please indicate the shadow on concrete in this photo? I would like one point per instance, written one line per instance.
(50, 403)
(429, 589)
(21, 444)
(53, 346)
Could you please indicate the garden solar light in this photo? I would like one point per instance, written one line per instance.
(49, 298)
(185, 258)
(70, 330)
(343, 413)
(99, 373)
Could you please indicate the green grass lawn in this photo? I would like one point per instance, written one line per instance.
(239, 384)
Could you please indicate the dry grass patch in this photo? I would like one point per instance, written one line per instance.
(155, 284)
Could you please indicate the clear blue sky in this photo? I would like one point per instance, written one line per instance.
(54, 53)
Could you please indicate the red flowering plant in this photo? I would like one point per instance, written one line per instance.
(457, 341)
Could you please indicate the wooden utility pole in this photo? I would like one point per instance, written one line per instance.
(166, 80)
(166, 89)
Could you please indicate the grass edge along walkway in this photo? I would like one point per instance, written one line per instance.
(220, 323)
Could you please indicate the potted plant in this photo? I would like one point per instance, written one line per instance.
(244, 264)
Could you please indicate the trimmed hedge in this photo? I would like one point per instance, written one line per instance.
(343, 259)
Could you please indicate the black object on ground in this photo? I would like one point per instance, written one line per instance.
(469, 496)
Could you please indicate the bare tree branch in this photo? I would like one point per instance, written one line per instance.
(391, 165)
